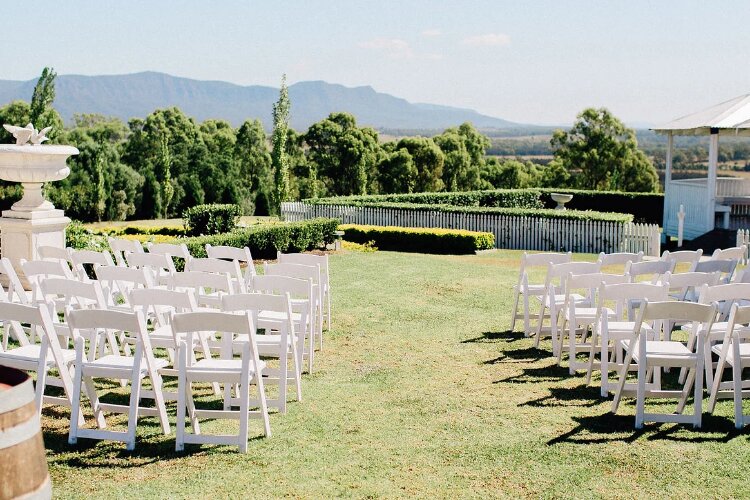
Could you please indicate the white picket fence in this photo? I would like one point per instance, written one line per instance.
(743, 240)
(513, 232)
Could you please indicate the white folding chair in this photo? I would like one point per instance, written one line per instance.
(650, 353)
(527, 287)
(724, 266)
(218, 266)
(302, 295)
(120, 247)
(173, 250)
(141, 365)
(650, 270)
(47, 252)
(684, 286)
(16, 292)
(209, 288)
(608, 260)
(273, 314)
(733, 253)
(228, 370)
(554, 299)
(306, 273)
(38, 270)
(83, 258)
(161, 266)
(614, 322)
(117, 282)
(41, 357)
(309, 259)
(687, 257)
(734, 350)
(580, 315)
(241, 256)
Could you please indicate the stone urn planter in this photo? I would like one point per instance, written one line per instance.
(561, 199)
(32, 221)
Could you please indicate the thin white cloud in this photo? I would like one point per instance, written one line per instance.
(487, 40)
(432, 33)
(394, 47)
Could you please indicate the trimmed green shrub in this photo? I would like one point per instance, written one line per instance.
(79, 237)
(422, 240)
(264, 240)
(517, 212)
(211, 219)
(139, 230)
(508, 198)
(645, 207)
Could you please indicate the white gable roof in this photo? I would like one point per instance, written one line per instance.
(731, 118)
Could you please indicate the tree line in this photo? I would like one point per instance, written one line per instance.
(157, 166)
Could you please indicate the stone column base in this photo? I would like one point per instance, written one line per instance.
(22, 233)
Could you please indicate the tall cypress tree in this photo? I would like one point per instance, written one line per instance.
(279, 157)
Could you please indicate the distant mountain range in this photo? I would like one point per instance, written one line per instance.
(137, 95)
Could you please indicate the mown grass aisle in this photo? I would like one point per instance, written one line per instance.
(421, 391)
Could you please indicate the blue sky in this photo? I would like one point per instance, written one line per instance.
(526, 61)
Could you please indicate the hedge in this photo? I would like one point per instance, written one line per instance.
(644, 207)
(139, 230)
(518, 212)
(264, 240)
(422, 240)
(508, 198)
(211, 219)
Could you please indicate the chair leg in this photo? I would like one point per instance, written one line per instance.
(182, 386)
(514, 312)
(689, 380)
(737, 383)
(263, 404)
(135, 398)
(244, 405)
(41, 382)
(75, 408)
(640, 405)
(526, 318)
(698, 400)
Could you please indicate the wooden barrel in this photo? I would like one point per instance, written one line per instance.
(23, 465)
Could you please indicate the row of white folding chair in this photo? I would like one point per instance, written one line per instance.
(309, 259)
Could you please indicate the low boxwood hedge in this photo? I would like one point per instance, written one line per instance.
(211, 219)
(422, 240)
(518, 212)
(644, 207)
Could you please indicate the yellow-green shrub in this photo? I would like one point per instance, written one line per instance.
(418, 239)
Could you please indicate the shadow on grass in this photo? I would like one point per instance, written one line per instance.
(549, 373)
(582, 396)
(609, 428)
(507, 336)
(526, 355)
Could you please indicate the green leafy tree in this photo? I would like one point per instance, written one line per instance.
(43, 96)
(397, 172)
(254, 162)
(465, 149)
(606, 153)
(342, 153)
(428, 160)
(101, 193)
(279, 158)
(165, 162)
(554, 175)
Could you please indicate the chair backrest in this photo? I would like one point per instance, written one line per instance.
(276, 284)
(724, 292)
(539, 260)
(120, 247)
(172, 249)
(49, 252)
(685, 286)
(161, 265)
(293, 271)
(38, 270)
(255, 303)
(588, 285)
(114, 321)
(650, 270)
(619, 258)
(208, 287)
(162, 303)
(118, 281)
(308, 259)
(725, 266)
(80, 258)
(241, 255)
(16, 293)
(226, 324)
(683, 256)
(74, 293)
(218, 266)
(734, 253)
(623, 294)
(667, 313)
(739, 316)
(558, 273)
(39, 318)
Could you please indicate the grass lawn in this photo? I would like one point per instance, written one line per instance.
(421, 390)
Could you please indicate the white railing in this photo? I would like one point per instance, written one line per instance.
(743, 240)
(513, 232)
(732, 186)
(692, 194)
